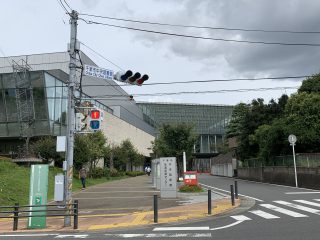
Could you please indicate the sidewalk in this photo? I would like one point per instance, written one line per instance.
(129, 203)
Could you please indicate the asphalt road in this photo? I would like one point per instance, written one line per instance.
(269, 212)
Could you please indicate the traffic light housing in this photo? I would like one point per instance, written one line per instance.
(131, 78)
(81, 122)
(95, 119)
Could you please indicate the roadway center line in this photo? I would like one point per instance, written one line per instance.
(219, 189)
(160, 235)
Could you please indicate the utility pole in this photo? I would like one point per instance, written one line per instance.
(71, 114)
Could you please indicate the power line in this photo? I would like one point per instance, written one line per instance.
(206, 81)
(101, 56)
(67, 5)
(203, 38)
(203, 92)
(201, 27)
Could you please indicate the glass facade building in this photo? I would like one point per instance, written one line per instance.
(209, 121)
(33, 104)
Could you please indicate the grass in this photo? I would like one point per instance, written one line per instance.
(15, 181)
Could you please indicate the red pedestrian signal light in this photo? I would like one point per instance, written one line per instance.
(95, 114)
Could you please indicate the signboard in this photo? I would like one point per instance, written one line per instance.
(93, 71)
(168, 177)
(38, 194)
(292, 139)
(61, 144)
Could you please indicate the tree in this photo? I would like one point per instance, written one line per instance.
(89, 148)
(45, 148)
(303, 120)
(311, 84)
(127, 155)
(174, 139)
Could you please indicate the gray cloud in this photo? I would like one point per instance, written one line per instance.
(246, 59)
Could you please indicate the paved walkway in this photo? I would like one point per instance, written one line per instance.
(129, 203)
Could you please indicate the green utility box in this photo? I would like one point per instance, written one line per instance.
(38, 195)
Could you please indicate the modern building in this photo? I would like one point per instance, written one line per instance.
(209, 122)
(33, 102)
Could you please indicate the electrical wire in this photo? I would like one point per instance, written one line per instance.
(204, 92)
(67, 5)
(101, 55)
(204, 38)
(200, 27)
(207, 81)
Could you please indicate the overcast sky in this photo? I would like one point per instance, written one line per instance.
(38, 26)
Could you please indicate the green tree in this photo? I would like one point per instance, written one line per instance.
(303, 120)
(127, 154)
(174, 139)
(89, 148)
(45, 148)
(311, 84)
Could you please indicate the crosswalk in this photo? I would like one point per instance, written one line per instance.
(279, 209)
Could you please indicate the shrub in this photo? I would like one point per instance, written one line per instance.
(97, 173)
(134, 173)
(190, 188)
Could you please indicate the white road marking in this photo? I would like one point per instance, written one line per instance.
(72, 236)
(302, 192)
(308, 203)
(300, 207)
(240, 218)
(161, 235)
(282, 210)
(181, 229)
(219, 189)
(264, 214)
(226, 226)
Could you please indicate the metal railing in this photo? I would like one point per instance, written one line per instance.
(20, 211)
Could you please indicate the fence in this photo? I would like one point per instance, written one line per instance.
(20, 211)
(309, 160)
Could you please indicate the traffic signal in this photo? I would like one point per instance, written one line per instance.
(96, 116)
(81, 122)
(131, 78)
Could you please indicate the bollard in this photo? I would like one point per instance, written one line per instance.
(209, 202)
(15, 216)
(155, 208)
(232, 194)
(75, 214)
(236, 189)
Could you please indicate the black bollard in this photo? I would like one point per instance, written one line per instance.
(209, 202)
(232, 194)
(155, 208)
(236, 189)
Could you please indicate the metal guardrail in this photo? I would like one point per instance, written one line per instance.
(19, 212)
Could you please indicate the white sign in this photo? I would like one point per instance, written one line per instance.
(98, 72)
(292, 139)
(168, 185)
(61, 144)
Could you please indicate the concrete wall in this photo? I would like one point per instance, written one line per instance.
(223, 169)
(307, 177)
(116, 130)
